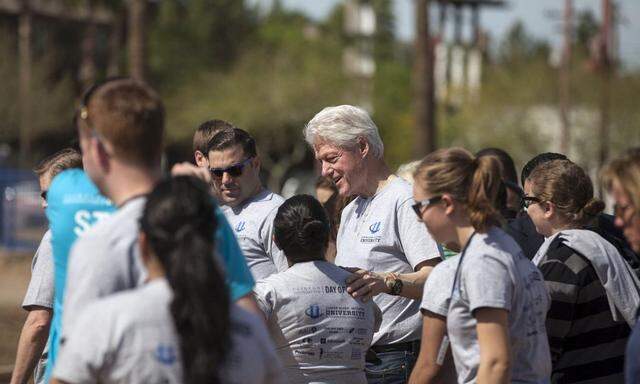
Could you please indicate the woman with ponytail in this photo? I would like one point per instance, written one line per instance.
(321, 332)
(594, 293)
(179, 327)
(495, 301)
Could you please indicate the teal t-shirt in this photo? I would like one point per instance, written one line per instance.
(74, 206)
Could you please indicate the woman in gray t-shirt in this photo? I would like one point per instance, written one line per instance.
(179, 326)
(496, 315)
(321, 332)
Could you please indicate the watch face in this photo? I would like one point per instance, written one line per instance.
(397, 287)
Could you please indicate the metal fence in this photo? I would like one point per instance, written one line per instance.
(22, 219)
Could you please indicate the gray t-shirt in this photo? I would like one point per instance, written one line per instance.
(382, 234)
(104, 261)
(40, 290)
(437, 290)
(321, 333)
(494, 273)
(130, 338)
(252, 223)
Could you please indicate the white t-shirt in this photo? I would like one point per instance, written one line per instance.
(252, 223)
(130, 337)
(437, 290)
(105, 260)
(494, 273)
(321, 333)
(382, 234)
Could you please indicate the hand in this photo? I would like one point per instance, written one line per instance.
(365, 284)
(188, 169)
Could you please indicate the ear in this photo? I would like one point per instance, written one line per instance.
(449, 205)
(363, 147)
(145, 249)
(549, 209)
(200, 159)
(102, 151)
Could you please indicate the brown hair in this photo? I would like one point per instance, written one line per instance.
(474, 181)
(205, 133)
(626, 170)
(569, 188)
(130, 116)
(54, 164)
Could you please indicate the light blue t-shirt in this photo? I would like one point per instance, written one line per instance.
(74, 205)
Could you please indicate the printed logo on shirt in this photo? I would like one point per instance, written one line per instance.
(373, 229)
(240, 226)
(356, 354)
(335, 288)
(313, 311)
(85, 219)
(342, 312)
(307, 331)
(166, 354)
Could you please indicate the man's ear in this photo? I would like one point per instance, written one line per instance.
(363, 147)
(273, 237)
(200, 158)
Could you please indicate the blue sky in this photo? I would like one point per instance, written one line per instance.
(497, 21)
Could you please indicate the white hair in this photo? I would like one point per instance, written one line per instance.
(407, 170)
(343, 125)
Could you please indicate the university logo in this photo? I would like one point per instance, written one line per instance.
(240, 227)
(375, 227)
(313, 311)
(166, 354)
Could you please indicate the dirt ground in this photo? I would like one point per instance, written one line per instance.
(14, 277)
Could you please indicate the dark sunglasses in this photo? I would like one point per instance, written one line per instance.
(43, 194)
(417, 207)
(530, 200)
(235, 170)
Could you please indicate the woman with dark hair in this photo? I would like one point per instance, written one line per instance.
(321, 333)
(180, 326)
(594, 293)
(497, 306)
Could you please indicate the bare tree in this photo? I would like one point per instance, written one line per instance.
(423, 80)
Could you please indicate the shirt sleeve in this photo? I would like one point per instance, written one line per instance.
(84, 351)
(487, 282)
(417, 243)
(275, 254)
(238, 277)
(437, 290)
(265, 296)
(40, 290)
(563, 287)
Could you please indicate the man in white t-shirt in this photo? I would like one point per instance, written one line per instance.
(248, 206)
(390, 253)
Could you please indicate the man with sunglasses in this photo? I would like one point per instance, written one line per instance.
(248, 206)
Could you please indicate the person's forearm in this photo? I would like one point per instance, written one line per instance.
(33, 339)
(413, 283)
(493, 372)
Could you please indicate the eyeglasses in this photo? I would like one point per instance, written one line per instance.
(622, 211)
(43, 194)
(530, 200)
(417, 207)
(234, 171)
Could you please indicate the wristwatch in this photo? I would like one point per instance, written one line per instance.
(393, 283)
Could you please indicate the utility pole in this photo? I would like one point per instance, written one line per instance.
(565, 79)
(24, 92)
(423, 80)
(606, 37)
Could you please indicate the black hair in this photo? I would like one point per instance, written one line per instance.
(179, 222)
(301, 229)
(537, 160)
(509, 180)
(228, 138)
(206, 131)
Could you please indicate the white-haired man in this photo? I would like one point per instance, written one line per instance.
(389, 252)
